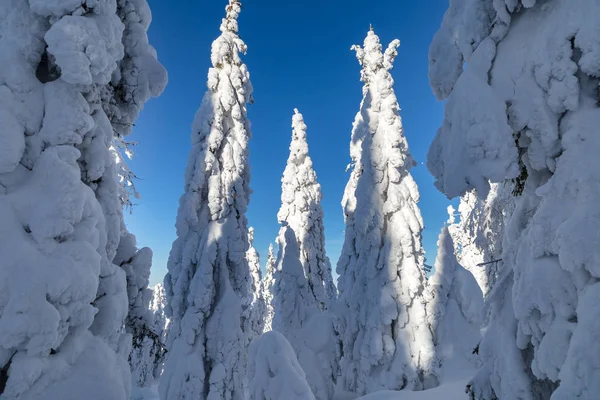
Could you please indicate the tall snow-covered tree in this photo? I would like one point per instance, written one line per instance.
(64, 300)
(208, 279)
(274, 372)
(385, 343)
(530, 119)
(308, 329)
(268, 289)
(303, 295)
(255, 302)
(453, 310)
(301, 210)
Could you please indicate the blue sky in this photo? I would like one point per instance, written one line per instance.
(298, 56)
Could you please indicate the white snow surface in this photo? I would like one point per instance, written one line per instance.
(208, 279)
(385, 343)
(64, 300)
(274, 372)
(526, 107)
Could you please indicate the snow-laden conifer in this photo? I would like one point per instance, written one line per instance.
(454, 310)
(301, 210)
(208, 279)
(63, 91)
(274, 372)
(525, 112)
(477, 234)
(303, 296)
(147, 344)
(268, 289)
(386, 345)
(256, 307)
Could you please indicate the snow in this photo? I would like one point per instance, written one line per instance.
(274, 372)
(208, 282)
(533, 68)
(86, 49)
(450, 391)
(381, 280)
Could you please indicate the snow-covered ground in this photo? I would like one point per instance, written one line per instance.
(147, 393)
(450, 391)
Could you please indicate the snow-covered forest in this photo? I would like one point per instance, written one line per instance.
(511, 310)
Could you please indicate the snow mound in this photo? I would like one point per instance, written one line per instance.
(274, 372)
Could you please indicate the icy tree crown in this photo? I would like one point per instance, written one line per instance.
(372, 59)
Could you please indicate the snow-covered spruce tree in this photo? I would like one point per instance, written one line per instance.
(385, 343)
(268, 288)
(453, 309)
(477, 235)
(529, 118)
(208, 276)
(160, 324)
(274, 372)
(301, 210)
(255, 302)
(147, 343)
(308, 329)
(64, 300)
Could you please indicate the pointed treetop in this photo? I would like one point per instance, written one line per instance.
(371, 58)
(229, 23)
(250, 236)
(298, 127)
(226, 47)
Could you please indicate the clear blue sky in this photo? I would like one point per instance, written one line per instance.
(298, 56)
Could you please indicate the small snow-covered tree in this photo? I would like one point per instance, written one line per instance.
(385, 343)
(528, 119)
(274, 372)
(308, 329)
(301, 210)
(268, 289)
(477, 235)
(293, 303)
(64, 300)
(147, 344)
(208, 279)
(255, 302)
(454, 309)
(160, 325)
